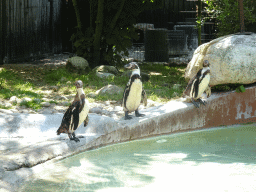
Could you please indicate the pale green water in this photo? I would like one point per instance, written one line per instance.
(211, 160)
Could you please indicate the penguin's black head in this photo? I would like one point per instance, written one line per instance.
(206, 63)
(132, 65)
(79, 84)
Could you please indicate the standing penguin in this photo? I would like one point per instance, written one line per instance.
(76, 114)
(199, 84)
(133, 92)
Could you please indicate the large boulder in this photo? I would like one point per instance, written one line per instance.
(232, 59)
(77, 64)
(106, 69)
(110, 89)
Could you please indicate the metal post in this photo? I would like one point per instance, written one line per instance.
(241, 15)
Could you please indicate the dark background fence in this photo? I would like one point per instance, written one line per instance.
(32, 28)
(29, 28)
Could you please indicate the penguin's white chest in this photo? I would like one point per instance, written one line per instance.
(203, 85)
(83, 114)
(134, 97)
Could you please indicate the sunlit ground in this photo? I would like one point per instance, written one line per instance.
(221, 159)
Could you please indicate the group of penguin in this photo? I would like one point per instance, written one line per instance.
(133, 95)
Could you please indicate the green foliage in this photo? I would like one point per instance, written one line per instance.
(240, 89)
(226, 13)
(115, 33)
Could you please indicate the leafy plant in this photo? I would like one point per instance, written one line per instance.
(226, 13)
(110, 30)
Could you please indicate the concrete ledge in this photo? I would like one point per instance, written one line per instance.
(30, 139)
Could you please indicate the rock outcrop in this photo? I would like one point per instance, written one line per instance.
(232, 59)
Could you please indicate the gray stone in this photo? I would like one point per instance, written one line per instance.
(26, 99)
(13, 99)
(104, 75)
(106, 69)
(92, 95)
(79, 62)
(232, 59)
(97, 110)
(61, 97)
(45, 104)
(5, 111)
(110, 89)
(7, 104)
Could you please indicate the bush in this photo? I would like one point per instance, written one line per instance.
(226, 13)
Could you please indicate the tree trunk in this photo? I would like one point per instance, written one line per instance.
(199, 16)
(98, 31)
(79, 23)
(113, 23)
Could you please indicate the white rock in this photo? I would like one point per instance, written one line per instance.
(96, 110)
(26, 99)
(7, 104)
(232, 59)
(104, 75)
(45, 104)
(5, 111)
(14, 99)
(110, 89)
(79, 62)
(92, 95)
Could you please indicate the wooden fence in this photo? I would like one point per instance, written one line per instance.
(29, 28)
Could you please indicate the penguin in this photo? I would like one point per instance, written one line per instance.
(76, 114)
(133, 92)
(199, 84)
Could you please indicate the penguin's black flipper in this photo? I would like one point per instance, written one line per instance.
(86, 121)
(137, 114)
(195, 103)
(127, 117)
(144, 97)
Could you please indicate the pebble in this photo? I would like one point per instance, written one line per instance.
(45, 104)
(26, 99)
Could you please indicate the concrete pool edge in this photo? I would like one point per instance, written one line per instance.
(222, 109)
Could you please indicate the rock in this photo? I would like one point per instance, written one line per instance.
(61, 97)
(26, 99)
(54, 88)
(45, 104)
(8, 105)
(232, 59)
(48, 111)
(104, 75)
(97, 110)
(110, 89)
(78, 62)
(13, 99)
(5, 111)
(92, 95)
(106, 69)
(65, 103)
(144, 76)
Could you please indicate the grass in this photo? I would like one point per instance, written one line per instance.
(164, 84)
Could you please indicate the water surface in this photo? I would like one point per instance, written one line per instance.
(222, 159)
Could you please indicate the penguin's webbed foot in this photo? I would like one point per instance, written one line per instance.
(137, 114)
(127, 117)
(201, 101)
(74, 138)
(195, 103)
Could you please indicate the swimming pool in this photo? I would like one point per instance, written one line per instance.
(221, 159)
